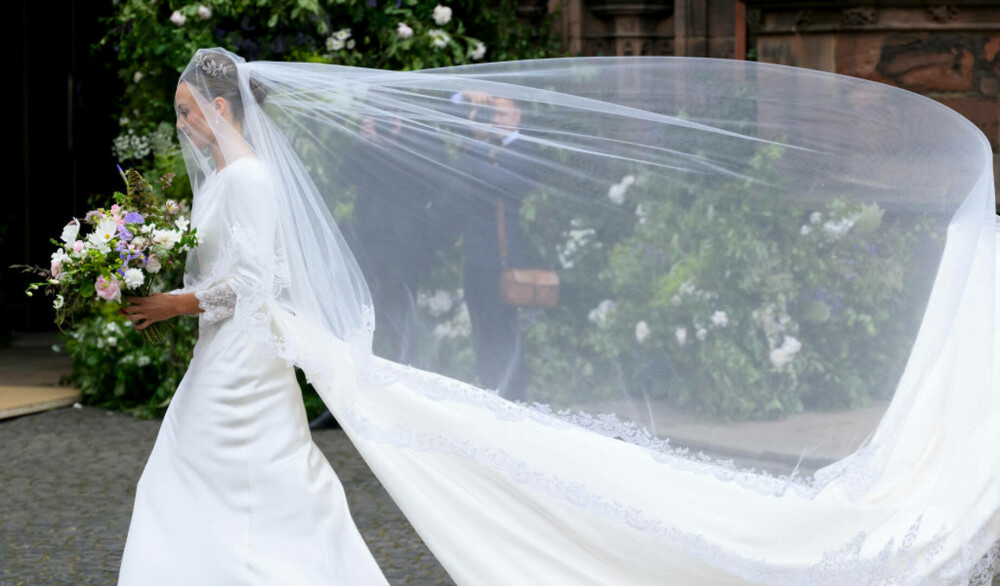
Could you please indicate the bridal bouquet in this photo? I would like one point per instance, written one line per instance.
(124, 247)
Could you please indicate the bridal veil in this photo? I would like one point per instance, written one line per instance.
(772, 359)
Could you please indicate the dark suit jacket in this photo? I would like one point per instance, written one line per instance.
(509, 174)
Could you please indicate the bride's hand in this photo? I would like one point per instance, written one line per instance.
(148, 310)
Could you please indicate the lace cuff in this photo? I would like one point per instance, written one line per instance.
(216, 302)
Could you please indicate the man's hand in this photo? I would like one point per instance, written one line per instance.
(143, 311)
(477, 97)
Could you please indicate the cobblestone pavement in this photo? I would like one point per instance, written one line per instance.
(67, 485)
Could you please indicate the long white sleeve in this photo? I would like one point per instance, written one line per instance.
(244, 273)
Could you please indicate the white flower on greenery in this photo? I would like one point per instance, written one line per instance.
(599, 315)
(142, 360)
(640, 214)
(182, 224)
(140, 242)
(840, 228)
(439, 38)
(343, 34)
(805, 229)
(784, 354)
(815, 218)
(682, 335)
(70, 231)
(459, 326)
(478, 51)
(111, 341)
(616, 193)
(146, 228)
(439, 303)
(404, 31)
(134, 278)
(720, 319)
(57, 302)
(112, 327)
(172, 207)
(334, 44)
(576, 240)
(178, 18)
(153, 264)
(350, 43)
(137, 77)
(442, 15)
(641, 331)
(204, 12)
(701, 334)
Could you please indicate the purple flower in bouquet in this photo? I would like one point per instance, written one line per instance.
(108, 289)
(123, 233)
(134, 218)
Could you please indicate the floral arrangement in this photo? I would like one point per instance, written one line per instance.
(125, 246)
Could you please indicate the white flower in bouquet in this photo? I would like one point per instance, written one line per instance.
(441, 15)
(140, 242)
(805, 230)
(103, 234)
(404, 31)
(134, 278)
(172, 206)
(70, 231)
(720, 319)
(182, 224)
(166, 238)
(478, 51)
(334, 44)
(137, 77)
(204, 12)
(60, 256)
(701, 334)
(350, 43)
(178, 18)
(682, 336)
(815, 218)
(641, 331)
(112, 328)
(57, 302)
(153, 264)
(110, 341)
(439, 38)
(78, 247)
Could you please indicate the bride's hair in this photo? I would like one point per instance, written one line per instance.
(216, 73)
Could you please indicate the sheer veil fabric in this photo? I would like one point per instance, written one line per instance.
(772, 360)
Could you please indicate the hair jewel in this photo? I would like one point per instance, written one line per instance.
(211, 66)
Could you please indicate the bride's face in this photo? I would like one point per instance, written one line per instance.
(190, 119)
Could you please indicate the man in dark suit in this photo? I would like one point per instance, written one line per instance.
(505, 168)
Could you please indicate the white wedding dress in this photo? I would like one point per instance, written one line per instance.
(235, 490)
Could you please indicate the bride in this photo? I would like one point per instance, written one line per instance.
(772, 360)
